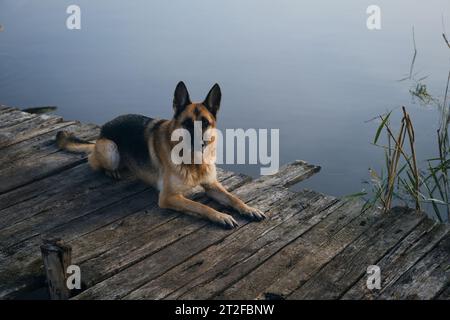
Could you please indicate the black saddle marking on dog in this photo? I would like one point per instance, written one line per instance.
(128, 132)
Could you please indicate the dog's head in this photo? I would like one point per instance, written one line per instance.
(189, 115)
(186, 112)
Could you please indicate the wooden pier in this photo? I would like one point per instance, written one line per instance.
(312, 246)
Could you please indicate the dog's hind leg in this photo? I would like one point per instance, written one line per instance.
(106, 156)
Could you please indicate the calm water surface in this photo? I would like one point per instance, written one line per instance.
(310, 68)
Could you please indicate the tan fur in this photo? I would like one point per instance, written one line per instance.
(105, 155)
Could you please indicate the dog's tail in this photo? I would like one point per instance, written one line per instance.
(67, 141)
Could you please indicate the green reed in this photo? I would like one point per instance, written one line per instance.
(401, 180)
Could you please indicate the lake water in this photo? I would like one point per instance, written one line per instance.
(310, 68)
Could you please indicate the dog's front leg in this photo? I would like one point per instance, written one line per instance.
(217, 192)
(179, 203)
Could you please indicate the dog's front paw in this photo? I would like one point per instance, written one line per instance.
(252, 213)
(226, 221)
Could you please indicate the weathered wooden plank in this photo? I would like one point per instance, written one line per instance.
(4, 108)
(42, 145)
(29, 170)
(200, 236)
(11, 114)
(178, 251)
(256, 229)
(155, 230)
(78, 200)
(351, 264)
(37, 197)
(24, 260)
(21, 266)
(31, 128)
(57, 257)
(13, 117)
(292, 265)
(394, 264)
(106, 247)
(43, 187)
(287, 176)
(30, 162)
(203, 275)
(427, 278)
(48, 193)
(5, 113)
(445, 294)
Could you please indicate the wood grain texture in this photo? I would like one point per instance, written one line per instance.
(30, 128)
(42, 145)
(311, 246)
(261, 192)
(57, 257)
(11, 117)
(305, 256)
(351, 264)
(427, 278)
(398, 261)
(22, 259)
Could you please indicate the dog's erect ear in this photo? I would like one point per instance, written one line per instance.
(212, 101)
(180, 98)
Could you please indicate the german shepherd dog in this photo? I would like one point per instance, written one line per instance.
(143, 146)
